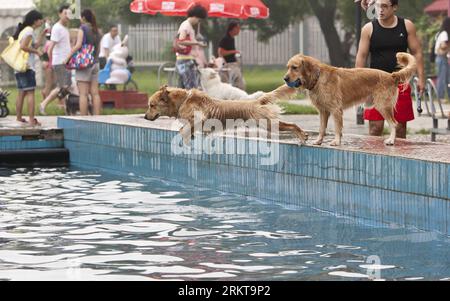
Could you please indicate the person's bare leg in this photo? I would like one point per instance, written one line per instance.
(48, 73)
(31, 109)
(376, 128)
(97, 101)
(19, 105)
(402, 130)
(84, 87)
(52, 96)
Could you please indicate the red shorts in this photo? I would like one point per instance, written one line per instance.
(403, 112)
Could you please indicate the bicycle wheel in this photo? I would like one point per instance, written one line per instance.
(434, 95)
(416, 94)
(4, 111)
(162, 70)
(427, 99)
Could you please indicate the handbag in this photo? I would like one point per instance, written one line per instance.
(181, 49)
(84, 58)
(14, 56)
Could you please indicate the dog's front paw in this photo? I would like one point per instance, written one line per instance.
(303, 137)
(389, 142)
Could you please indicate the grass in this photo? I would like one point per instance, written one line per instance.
(423, 132)
(293, 109)
(258, 79)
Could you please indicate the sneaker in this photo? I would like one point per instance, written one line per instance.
(42, 110)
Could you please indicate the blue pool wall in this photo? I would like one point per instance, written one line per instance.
(10, 143)
(380, 188)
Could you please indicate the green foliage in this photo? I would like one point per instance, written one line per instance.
(282, 14)
(423, 132)
(293, 109)
(107, 12)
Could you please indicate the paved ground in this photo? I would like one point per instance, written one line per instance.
(350, 127)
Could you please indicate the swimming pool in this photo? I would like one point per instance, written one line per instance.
(86, 224)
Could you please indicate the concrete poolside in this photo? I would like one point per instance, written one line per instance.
(411, 148)
(307, 122)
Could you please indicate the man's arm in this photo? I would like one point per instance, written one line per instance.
(364, 46)
(415, 47)
(223, 52)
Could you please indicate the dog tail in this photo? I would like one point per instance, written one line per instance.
(409, 68)
(281, 93)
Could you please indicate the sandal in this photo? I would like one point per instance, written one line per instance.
(22, 120)
(35, 123)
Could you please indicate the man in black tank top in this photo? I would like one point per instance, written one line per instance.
(383, 38)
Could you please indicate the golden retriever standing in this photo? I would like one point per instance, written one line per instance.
(332, 90)
(182, 104)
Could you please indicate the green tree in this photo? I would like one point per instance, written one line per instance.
(106, 11)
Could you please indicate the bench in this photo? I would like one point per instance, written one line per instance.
(124, 99)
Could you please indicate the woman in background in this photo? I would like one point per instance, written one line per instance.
(87, 79)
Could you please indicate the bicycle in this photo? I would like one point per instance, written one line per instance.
(4, 111)
(429, 96)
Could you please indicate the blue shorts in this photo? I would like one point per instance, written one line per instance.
(26, 81)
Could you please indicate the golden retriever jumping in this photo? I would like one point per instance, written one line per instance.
(182, 104)
(332, 90)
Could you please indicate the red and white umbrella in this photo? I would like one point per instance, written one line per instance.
(236, 9)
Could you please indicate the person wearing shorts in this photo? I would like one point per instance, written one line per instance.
(87, 79)
(383, 38)
(58, 51)
(186, 65)
(26, 81)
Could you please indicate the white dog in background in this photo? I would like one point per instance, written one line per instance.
(213, 86)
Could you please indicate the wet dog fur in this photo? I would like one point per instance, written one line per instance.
(332, 90)
(183, 104)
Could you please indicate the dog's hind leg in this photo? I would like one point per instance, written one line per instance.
(301, 135)
(386, 109)
(324, 116)
(338, 125)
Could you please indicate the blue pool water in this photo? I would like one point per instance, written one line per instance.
(74, 224)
